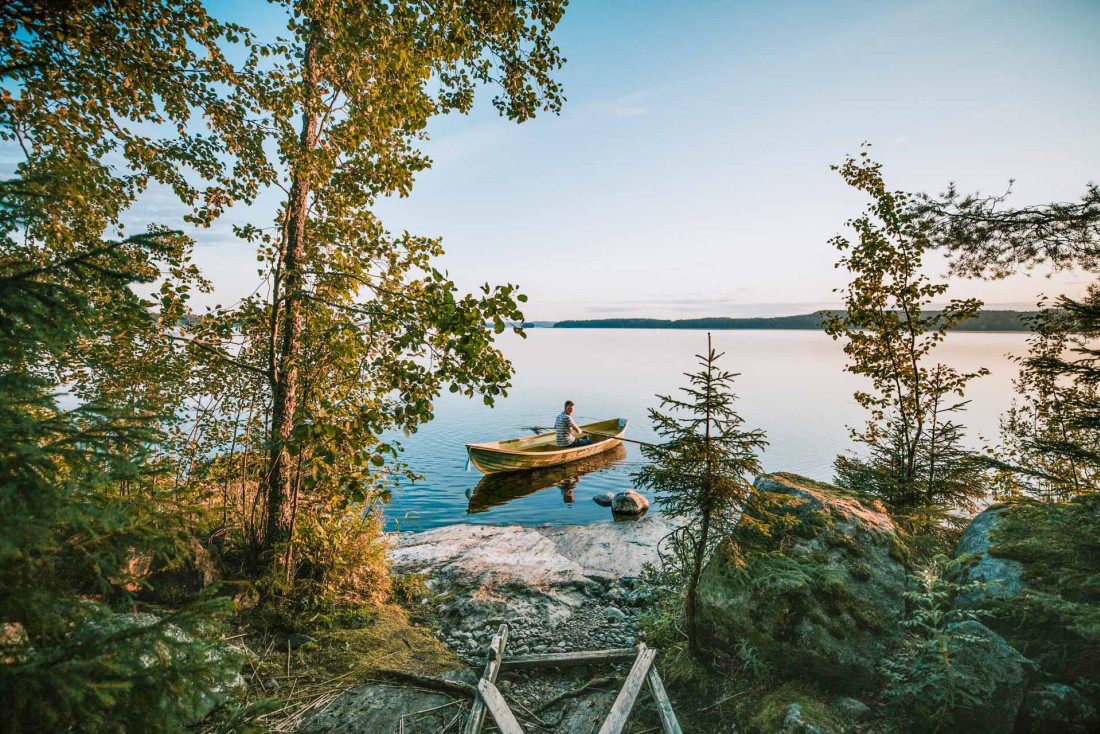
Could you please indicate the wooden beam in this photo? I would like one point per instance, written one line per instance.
(502, 715)
(620, 710)
(566, 659)
(669, 724)
(476, 718)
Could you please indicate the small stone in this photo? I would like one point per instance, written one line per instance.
(604, 500)
(614, 614)
(629, 502)
(851, 708)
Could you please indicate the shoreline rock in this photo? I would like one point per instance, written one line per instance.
(820, 595)
(552, 585)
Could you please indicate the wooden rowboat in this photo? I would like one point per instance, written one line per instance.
(536, 452)
(501, 488)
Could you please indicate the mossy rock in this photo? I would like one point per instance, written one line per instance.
(989, 679)
(1042, 562)
(811, 580)
(794, 709)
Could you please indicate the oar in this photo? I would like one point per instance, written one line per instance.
(539, 429)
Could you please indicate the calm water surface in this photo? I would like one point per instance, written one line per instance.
(792, 385)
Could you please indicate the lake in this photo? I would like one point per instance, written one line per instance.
(792, 385)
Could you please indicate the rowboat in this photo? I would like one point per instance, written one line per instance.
(539, 451)
(499, 489)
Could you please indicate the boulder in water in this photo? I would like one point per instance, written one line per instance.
(629, 502)
(604, 500)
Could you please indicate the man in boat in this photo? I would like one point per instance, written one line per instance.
(565, 427)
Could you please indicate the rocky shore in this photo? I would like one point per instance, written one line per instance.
(560, 589)
(810, 599)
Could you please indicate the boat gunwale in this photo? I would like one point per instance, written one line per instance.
(488, 447)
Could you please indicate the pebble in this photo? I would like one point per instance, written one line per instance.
(614, 614)
(604, 500)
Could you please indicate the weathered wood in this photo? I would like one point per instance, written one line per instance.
(566, 659)
(496, 656)
(669, 724)
(502, 715)
(535, 452)
(620, 710)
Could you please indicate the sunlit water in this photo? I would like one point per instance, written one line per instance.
(792, 385)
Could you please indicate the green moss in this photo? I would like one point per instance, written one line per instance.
(773, 707)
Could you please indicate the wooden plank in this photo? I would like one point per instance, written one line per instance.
(566, 659)
(502, 715)
(476, 718)
(620, 710)
(669, 724)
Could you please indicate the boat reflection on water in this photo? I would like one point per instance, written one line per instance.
(498, 489)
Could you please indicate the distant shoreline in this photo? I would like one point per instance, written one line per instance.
(992, 321)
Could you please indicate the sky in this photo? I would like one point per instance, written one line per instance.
(688, 173)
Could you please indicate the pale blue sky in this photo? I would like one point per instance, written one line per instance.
(688, 174)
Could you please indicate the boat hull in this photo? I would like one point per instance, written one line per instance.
(538, 452)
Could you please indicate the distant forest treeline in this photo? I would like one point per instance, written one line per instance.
(986, 321)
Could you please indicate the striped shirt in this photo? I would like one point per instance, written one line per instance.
(564, 427)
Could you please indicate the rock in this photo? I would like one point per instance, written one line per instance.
(604, 500)
(544, 575)
(824, 608)
(990, 673)
(1056, 707)
(795, 723)
(1040, 562)
(793, 709)
(629, 502)
(1003, 577)
(379, 708)
(850, 708)
(614, 615)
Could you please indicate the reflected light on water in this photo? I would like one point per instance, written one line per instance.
(792, 384)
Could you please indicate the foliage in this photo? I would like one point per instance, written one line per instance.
(916, 463)
(1048, 438)
(341, 564)
(354, 332)
(923, 682)
(78, 505)
(987, 239)
(703, 470)
(1056, 620)
(1050, 442)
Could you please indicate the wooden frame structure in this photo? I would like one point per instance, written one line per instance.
(642, 673)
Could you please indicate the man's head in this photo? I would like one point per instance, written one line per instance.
(569, 407)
